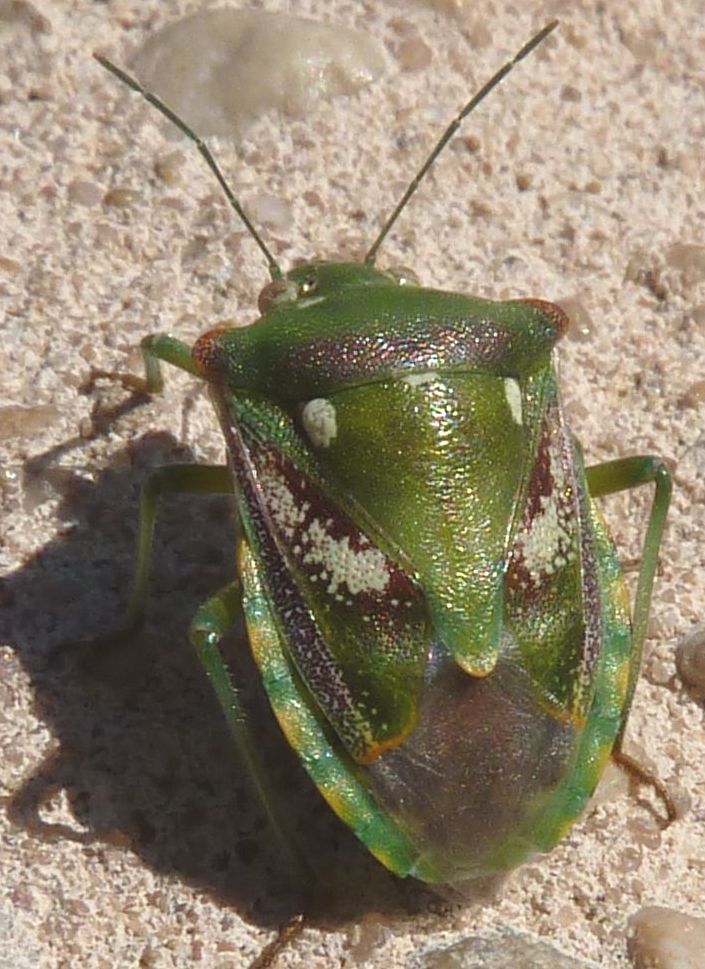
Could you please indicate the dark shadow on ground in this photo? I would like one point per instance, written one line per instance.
(142, 749)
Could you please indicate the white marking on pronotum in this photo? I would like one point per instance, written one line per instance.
(319, 421)
(512, 391)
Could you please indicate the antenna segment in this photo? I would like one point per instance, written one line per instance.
(450, 131)
(131, 82)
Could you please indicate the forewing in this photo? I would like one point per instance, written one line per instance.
(552, 592)
(351, 615)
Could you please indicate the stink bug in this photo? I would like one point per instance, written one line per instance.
(432, 598)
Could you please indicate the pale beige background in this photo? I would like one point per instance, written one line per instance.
(580, 180)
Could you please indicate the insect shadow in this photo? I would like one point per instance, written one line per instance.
(142, 754)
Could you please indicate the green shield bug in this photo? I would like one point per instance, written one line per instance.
(433, 600)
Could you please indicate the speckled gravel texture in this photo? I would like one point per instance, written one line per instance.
(129, 838)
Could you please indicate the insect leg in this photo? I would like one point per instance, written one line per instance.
(210, 624)
(171, 479)
(619, 475)
(605, 479)
(156, 347)
(162, 347)
(199, 479)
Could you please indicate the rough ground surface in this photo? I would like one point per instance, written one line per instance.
(129, 838)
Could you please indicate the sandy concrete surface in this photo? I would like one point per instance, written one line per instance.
(128, 837)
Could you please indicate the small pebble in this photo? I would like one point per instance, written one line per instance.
(414, 54)
(689, 258)
(21, 422)
(497, 951)
(690, 662)
(219, 69)
(662, 938)
(168, 167)
(120, 198)
(24, 14)
(9, 266)
(694, 395)
(83, 192)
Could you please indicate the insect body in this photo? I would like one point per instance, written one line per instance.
(432, 599)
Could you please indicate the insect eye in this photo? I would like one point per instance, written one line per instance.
(403, 276)
(307, 286)
(275, 293)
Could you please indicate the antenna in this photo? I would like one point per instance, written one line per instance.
(274, 268)
(450, 131)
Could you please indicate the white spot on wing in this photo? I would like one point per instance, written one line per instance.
(328, 558)
(287, 513)
(361, 570)
(549, 544)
